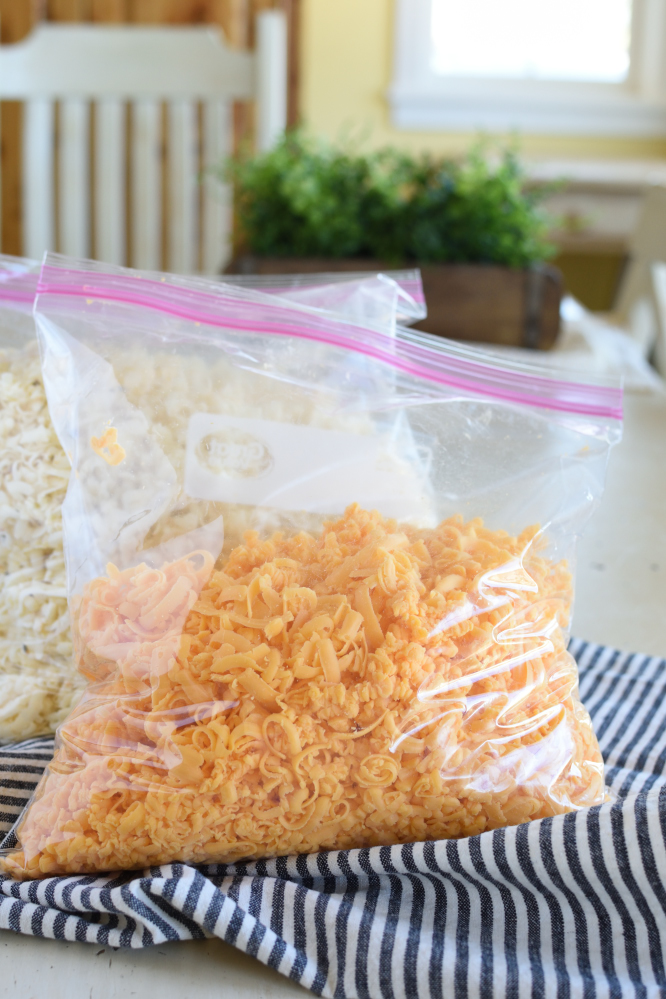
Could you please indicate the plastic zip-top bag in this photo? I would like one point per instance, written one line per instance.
(38, 680)
(319, 578)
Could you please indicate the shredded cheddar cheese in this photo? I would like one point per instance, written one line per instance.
(107, 446)
(378, 684)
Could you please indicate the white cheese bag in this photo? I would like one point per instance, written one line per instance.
(38, 681)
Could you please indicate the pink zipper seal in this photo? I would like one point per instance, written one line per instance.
(434, 360)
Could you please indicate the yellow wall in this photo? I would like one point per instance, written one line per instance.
(345, 72)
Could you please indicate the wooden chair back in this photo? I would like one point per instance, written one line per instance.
(122, 125)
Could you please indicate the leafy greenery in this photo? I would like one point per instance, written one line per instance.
(306, 198)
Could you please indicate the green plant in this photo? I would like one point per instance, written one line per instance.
(307, 198)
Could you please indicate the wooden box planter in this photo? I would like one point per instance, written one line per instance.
(477, 302)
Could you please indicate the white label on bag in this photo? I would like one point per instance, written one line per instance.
(233, 459)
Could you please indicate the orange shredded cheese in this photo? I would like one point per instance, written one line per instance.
(418, 687)
(107, 446)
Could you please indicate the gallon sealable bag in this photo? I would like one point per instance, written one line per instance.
(319, 579)
(39, 682)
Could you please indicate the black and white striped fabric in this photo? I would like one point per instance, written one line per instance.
(564, 907)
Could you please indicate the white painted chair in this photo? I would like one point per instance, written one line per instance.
(145, 86)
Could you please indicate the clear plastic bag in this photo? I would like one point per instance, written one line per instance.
(319, 577)
(358, 295)
(39, 682)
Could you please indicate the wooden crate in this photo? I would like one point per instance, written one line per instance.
(475, 302)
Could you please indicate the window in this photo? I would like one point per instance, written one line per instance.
(523, 39)
(544, 66)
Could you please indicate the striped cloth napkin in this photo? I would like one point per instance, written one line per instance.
(569, 906)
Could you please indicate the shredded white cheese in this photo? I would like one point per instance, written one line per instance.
(38, 681)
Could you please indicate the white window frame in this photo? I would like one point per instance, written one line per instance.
(423, 100)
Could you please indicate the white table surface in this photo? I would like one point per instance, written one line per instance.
(621, 570)
(620, 601)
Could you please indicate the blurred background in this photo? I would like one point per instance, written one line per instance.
(575, 89)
